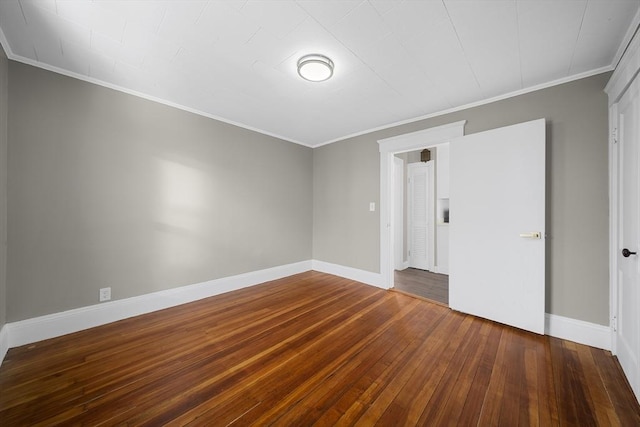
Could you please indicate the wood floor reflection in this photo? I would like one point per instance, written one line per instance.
(312, 349)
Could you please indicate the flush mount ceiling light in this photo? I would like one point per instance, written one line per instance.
(315, 68)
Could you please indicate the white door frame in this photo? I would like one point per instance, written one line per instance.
(399, 213)
(613, 227)
(388, 147)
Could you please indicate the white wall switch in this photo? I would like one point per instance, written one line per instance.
(372, 207)
(105, 294)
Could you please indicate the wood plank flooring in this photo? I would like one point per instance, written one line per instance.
(423, 283)
(311, 349)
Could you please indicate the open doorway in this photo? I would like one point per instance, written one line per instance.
(389, 147)
(421, 219)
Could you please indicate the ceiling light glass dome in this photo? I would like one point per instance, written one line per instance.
(315, 68)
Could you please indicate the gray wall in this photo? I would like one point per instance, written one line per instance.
(4, 99)
(347, 177)
(107, 189)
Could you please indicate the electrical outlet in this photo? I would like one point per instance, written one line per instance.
(105, 294)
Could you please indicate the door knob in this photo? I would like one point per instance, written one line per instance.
(626, 252)
(531, 235)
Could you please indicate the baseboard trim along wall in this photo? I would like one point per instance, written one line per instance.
(556, 326)
(578, 331)
(57, 324)
(23, 332)
(367, 277)
(441, 270)
(4, 342)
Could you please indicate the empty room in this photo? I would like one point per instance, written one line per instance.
(310, 212)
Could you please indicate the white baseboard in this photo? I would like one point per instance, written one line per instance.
(57, 324)
(23, 332)
(4, 342)
(405, 265)
(373, 279)
(441, 270)
(578, 331)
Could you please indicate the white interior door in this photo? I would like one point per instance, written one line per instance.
(628, 294)
(497, 205)
(419, 205)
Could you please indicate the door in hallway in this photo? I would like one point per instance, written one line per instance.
(420, 206)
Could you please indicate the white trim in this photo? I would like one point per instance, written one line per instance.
(416, 140)
(57, 324)
(613, 224)
(578, 331)
(388, 147)
(367, 277)
(89, 79)
(405, 265)
(50, 326)
(441, 270)
(556, 326)
(512, 94)
(625, 72)
(398, 213)
(4, 341)
(626, 40)
(518, 92)
(5, 44)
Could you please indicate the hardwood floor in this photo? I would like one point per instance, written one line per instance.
(312, 349)
(423, 283)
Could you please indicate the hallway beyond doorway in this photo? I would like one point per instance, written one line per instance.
(424, 284)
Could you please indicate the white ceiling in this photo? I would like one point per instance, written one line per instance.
(395, 61)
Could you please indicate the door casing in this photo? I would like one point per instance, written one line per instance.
(388, 147)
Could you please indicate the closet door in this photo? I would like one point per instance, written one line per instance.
(627, 325)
